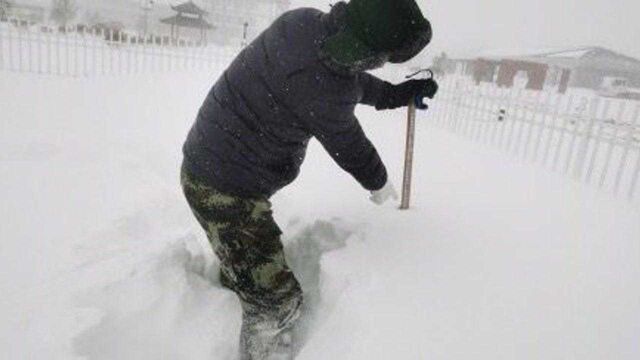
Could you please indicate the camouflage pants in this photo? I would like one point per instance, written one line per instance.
(246, 240)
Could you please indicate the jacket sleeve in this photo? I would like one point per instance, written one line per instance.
(372, 88)
(343, 138)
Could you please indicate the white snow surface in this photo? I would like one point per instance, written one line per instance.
(101, 259)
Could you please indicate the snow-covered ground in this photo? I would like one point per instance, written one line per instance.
(101, 259)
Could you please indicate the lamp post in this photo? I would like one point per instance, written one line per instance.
(245, 31)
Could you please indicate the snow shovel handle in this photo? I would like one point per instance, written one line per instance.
(415, 103)
(408, 156)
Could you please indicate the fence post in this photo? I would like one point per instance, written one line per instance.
(76, 53)
(484, 134)
(119, 48)
(451, 107)
(58, 56)
(472, 113)
(103, 51)
(29, 54)
(481, 113)
(612, 142)
(476, 115)
(466, 110)
(474, 110)
(598, 138)
(501, 125)
(109, 45)
(2, 52)
(501, 106)
(131, 51)
(462, 98)
(552, 130)
(67, 53)
(39, 41)
(634, 179)
(143, 55)
(574, 136)
(85, 53)
(586, 138)
(450, 103)
(535, 111)
(546, 109)
(38, 59)
(201, 57)
(28, 51)
(169, 59)
(516, 107)
(138, 54)
(154, 54)
(130, 54)
(10, 49)
(49, 56)
(627, 148)
(185, 57)
(40, 51)
(563, 131)
(20, 62)
(96, 40)
(465, 118)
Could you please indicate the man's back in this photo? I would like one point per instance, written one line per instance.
(252, 131)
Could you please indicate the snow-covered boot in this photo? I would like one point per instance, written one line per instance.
(285, 349)
(268, 335)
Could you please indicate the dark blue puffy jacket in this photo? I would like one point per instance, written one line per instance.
(251, 134)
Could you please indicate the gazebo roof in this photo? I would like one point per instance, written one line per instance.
(189, 22)
(189, 7)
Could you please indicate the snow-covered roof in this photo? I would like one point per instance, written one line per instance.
(586, 57)
(551, 53)
(572, 54)
(515, 52)
(189, 22)
(189, 7)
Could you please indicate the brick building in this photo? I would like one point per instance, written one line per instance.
(585, 67)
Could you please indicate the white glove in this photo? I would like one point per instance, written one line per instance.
(381, 196)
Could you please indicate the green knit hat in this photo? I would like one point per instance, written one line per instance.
(393, 27)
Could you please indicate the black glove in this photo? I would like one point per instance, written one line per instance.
(396, 96)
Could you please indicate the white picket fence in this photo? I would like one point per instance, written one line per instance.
(95, 52)
(595, 140)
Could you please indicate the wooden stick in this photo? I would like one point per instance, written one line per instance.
(408, 156)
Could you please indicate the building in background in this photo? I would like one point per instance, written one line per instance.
(188, 17)
(232, 21)
(588, 68)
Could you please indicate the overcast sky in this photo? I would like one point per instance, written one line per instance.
(465, 26)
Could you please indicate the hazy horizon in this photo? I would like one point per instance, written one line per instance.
(465, 27)
(468, 26)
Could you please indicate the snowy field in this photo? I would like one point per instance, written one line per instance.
(101, 259)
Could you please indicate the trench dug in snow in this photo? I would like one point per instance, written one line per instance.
(170, 304)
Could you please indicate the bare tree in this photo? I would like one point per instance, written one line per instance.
(63, 11)
(5, 6)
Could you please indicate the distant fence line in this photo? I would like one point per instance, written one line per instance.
(595, 140)
(92, 52)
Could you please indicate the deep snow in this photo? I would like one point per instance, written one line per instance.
(101, 259)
